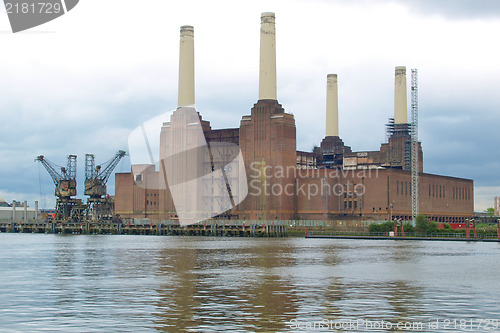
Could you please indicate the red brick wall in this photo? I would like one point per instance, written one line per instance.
(267, 137)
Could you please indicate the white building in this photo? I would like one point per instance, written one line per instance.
(19, 211)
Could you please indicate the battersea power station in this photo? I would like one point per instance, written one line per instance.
(255, 172)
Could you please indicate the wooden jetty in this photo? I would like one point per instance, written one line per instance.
(123, 228)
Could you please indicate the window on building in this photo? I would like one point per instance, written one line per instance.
(429, 190)
(355, 204)
(350, 204)
(345, 204)
(406, 188)
(440, 191)
(397, 187)
(444, 191)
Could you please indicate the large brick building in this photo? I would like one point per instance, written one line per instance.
(332, 182)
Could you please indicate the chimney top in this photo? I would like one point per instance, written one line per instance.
(187, 30)
(267, 14)
(400, 70)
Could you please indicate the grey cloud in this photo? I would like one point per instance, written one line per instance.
(455, 9)
(463, 149)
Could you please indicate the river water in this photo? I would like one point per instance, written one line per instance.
(56, 283)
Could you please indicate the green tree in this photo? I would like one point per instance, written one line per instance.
(490, 211)
(408, 227)
(379, 228)
(421, 223)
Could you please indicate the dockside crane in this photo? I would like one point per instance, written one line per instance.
(67, 207)
(100, 205)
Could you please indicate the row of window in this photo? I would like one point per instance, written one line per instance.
(350, 204)
(437, 191)
(152, 203)
(461, 193)
(404, 188)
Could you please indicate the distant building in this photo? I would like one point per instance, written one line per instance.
(18, 211)
(3, 203)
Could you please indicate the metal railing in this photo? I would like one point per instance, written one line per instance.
(407, 234)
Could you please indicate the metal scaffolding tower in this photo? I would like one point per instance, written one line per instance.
(414, 144)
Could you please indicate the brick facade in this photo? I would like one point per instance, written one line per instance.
(285, 184)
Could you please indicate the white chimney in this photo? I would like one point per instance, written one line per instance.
(186, 67)
(400, 101)
(267, 73)
(332, 106)
(25, 211)
(14, 203)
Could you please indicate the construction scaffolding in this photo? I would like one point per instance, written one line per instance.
(399, 138)
(221, 190)
(414, 144)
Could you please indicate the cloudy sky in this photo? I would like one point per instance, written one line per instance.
(81, 83)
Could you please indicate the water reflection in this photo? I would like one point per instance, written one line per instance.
(195, 284)
(207, 286)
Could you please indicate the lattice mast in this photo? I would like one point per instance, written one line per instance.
(414, 144)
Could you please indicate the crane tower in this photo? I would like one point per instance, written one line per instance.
(100, 205)
(67, 207)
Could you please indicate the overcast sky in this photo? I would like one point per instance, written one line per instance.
(81, 83)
